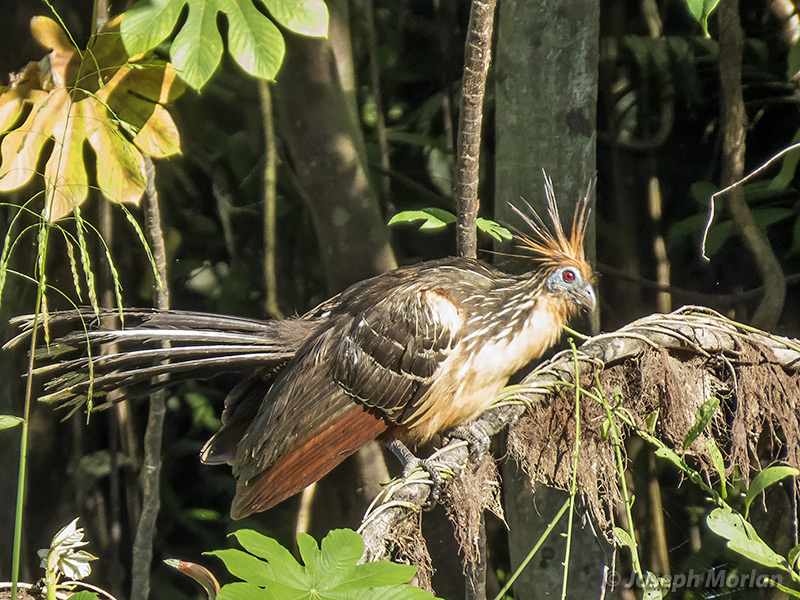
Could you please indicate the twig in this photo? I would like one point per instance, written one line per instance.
(270, 197)
(476, 65)
(151, 467)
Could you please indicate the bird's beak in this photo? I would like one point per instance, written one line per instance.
(586, 297)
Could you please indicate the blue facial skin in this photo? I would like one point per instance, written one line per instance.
(568, 281)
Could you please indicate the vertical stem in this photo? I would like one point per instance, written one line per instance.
(477, 57)
(151, 467)
(734, 127)
(270, 197)
(41, 261)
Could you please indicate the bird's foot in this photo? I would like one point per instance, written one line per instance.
(475, 436)
(432, 467)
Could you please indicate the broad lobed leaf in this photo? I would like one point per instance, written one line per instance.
(78, 99)
(330, 571)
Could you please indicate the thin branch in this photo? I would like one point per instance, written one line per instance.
(270, 198)
(151, 467)
(734, 126)
(476, 66)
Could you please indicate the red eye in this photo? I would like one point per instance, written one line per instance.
(568, 276)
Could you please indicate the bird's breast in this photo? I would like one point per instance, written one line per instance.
(479, 367)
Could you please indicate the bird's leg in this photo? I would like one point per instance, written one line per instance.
(411, 462)
(474, 435)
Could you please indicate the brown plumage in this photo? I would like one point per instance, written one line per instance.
(410, 354)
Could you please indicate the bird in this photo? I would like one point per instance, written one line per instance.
(405, 355)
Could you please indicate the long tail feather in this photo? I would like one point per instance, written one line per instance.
(89, 360)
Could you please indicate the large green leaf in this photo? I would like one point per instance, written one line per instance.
(741, 537)
(254, 40)
(330, 572)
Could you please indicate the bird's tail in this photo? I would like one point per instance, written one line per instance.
(93, 355)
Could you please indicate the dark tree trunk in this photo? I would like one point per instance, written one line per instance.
(546, 73)
(326, 149)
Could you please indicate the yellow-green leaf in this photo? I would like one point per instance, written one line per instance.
(120, 165)
(65, 174)
(21, 148)
(62, 63)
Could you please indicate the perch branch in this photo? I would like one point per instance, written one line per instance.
(690, 329)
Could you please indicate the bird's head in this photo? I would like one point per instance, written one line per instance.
(569, 283)
(567, 274)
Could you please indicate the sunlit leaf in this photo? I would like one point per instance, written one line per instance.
(433, 218)
(306, 17)
(719, 464)
(253, 39)
(330, 571)
(764, 479)
(701, 10)
(741, 537)
(703, 417)
(77, 99)
(9, 421)
(493, 229)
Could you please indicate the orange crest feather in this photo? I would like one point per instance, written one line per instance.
(554, 248)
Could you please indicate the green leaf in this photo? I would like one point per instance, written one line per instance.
(269, 549)
(9, 421)
(306, 17)
(651, 420)
(655, 587)
(794, 558)
(331, 572)
(241, 590)
(671, 457)
(765, 479)
(84, 595)
(625, 538)
(148, 23)
(434, 218)
(701, 10)
(253, 40)
(246, 566)
(605, 429)
(704, 415)
(493, 229)
(741, 538)
(719, 464)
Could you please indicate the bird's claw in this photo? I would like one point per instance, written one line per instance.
(475, 436)
(432, 467)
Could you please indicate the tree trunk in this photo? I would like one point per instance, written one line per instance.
(326, 148)
(546, 73)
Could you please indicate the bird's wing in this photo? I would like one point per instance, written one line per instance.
(391, 353)
(342, 390)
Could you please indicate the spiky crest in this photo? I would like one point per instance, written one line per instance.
(553, 248)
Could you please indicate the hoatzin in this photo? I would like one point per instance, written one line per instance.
(404, 355)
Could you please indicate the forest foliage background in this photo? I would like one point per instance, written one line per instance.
(659, 150)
